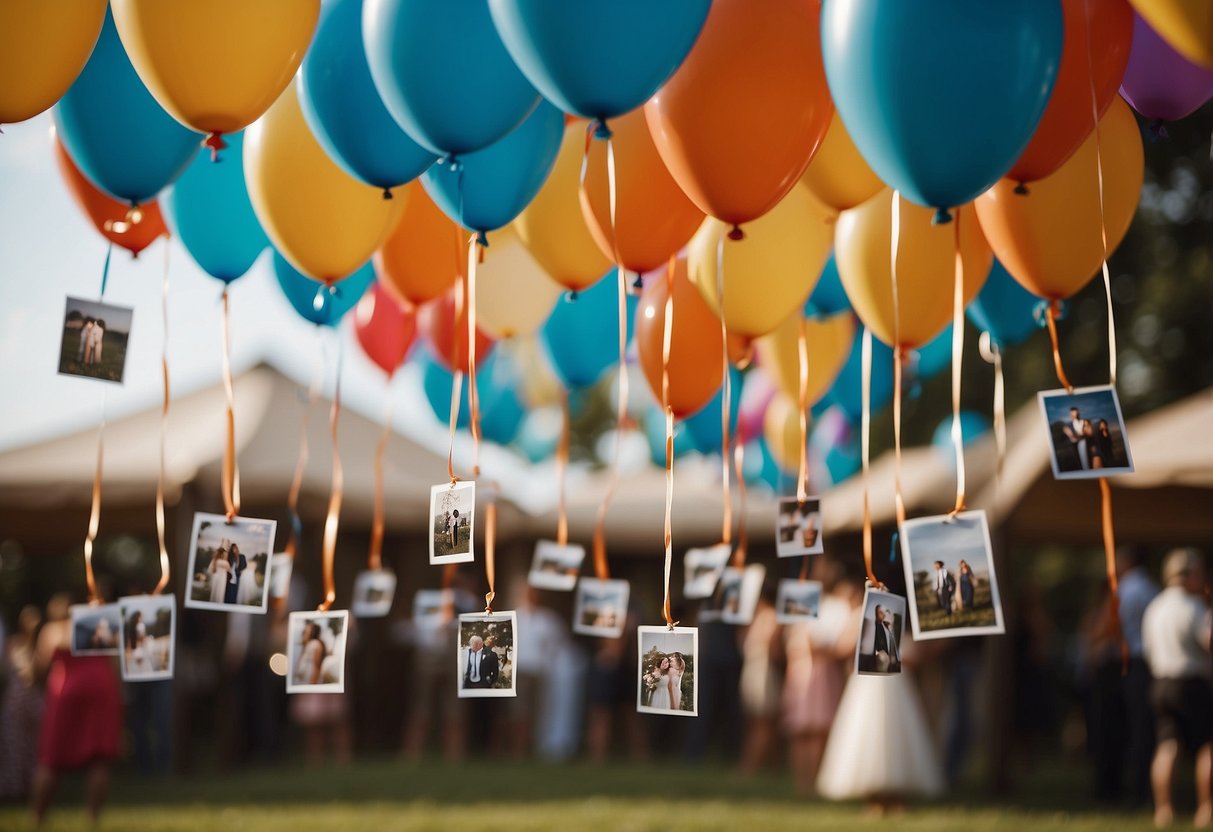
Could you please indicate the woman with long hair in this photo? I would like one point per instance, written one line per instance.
(965, 584)
(678, 666)
(311, 655)
(1103, 444)
(1094, 457)
(220, 569)
(659, 679)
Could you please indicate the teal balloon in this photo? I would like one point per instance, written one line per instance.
(654, 432)
(317, 303)
(935, 355)
(1004, 309)
(115, 131)
(847, 390)
(487, 189)
(209, 211)
(762, 467)
(598, 58)
(828, 297)
(941, 96)
(538, 436)
(704, 426)
(581, 336)
(344, 109)
(973, 425)
(501, 409)
(443, 72)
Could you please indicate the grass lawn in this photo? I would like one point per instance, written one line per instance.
(931, 617)
(530, 796)
(113, 356)
(442, 542)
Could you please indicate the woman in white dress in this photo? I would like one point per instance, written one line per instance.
(248, 591)
(137, 661)
(660, 697)
(95, 340)
(678, 667)
(220, 570)
(311, 656)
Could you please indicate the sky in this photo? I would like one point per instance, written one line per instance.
(965, 538)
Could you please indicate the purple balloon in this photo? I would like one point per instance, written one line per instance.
(1160, 83)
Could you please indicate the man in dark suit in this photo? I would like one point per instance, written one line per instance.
(239, 564)
(480, 666)
(885, 647)
(945, 587)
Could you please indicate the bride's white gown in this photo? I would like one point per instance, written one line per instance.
(247, 591)
(219, 581)
(660, 698)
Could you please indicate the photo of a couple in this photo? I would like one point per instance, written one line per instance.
(667, 671)
(797, 600)
(555, 566)
(94, 340)
(878, 651)
(486, 654)
(798, 527)
(602, 607)
(1086, 433)
(229, 563)
(950, 569)
(147, 637)
(95, 629)
(315, 651)
(452, 513)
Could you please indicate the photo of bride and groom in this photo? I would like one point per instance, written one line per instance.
(452, 522)
(667, 671)
(94, 339)
(1086, 433)
(147, 637)
(229, 563)
(951, 572)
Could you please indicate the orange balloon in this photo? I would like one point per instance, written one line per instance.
(653, 217)
(926, 266)
(740, 120)
(108, 214)
(696, 352)
(1049, 239)
(838, 175)
(448, 336)
(1098, 34)
(425, 252)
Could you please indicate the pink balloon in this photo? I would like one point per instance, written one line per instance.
(1160, 83)
(385, 328)
(756, 394)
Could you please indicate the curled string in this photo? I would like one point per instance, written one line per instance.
(993, 355)
(94, 515)
(374, 558)
(958, 343)
(164, 404)
(743, 538)
(865, 447)
(898, 360)
(802, 352)
(726, 529)
(332, 517)
(231, 473)
(667, 336)
(562, 464)
(490, 552)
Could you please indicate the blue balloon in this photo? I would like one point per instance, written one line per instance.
(344, 109)
(442, 71)
(973, 425)
(941, 96)
(935, 355)
(704, 426)
(1004, 309)
(654, 431)
(115, 131)
(582, 335)
(828, 297)
(598, 59)
(321, 304)
(844, 460)
(501, 410)
(539, 436)
(847, 390)
(487, 189)
(209, 211)
(761, 466)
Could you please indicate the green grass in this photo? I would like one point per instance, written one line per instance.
(442, 542)
(532, 796)
(931, 617)
(113, 356)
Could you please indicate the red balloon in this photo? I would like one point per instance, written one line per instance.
(447, 337)
(385, 328)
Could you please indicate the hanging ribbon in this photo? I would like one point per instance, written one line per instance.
(231, 473)
(958, 342)
(898, 361)
(94, 516)
(743, 540)
(164, 562)
(562, 464)
(374, 558)
(332, 517)
(865, 442)
(490, 551)
(669, 440)
(992, 355)
(726, 530)
(802, 351)
(292, 500)
(475, 256)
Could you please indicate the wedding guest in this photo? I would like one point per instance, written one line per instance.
(1103, 444)
(543, 643)
(761, 681)
(20, 708)
(966, 582)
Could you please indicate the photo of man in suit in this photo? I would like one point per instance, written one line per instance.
(945, 587)
(239, 564)
(480, 665)
(886, 649)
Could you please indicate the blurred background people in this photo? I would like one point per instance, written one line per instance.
(20, 707)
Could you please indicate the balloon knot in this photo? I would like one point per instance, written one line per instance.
(482, 239)
(1158, 129)
(601, 131)
(387, 193)
(451, 161)
(638, 283)
(1021, 189)
(942, 217)
(215, 142)
(735, 233)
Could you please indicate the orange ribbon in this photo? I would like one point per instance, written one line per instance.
(164, 561)
(476, 256)
(865, 443)
(669, 440)
(726, 530)
(332, 517)
(958, 342)
(743, 539)
(230, 484)
(490, 548)
(562, 464)
(992, 355)
(374, 558)
(94, 516)
(802, 352)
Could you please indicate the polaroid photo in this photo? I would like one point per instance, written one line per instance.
(797, 600)
(798, 527)
(949, 564)
(431, 607)
(601, 608)
(315, 651)
(667, 671)
(452, 522)
(702, 568)
(485, 654)
(878, 651)
(281, 565)
(1087, 436)
(229, 563)
(736, 595)
(374, 590)
(147, 637)
(555, 566)
(96, 629)
(94, 339)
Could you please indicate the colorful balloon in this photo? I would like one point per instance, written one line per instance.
(653, 218)
(1004, 309)
(502, 413)
(552, 225)
(44, 44)
(743, 115)
(444, 74)
(384, 328)
(704, 427)
(781, 430)
(1159, 82)
(829, 343)
(1050, 240)
(828, 297)
(926, 267)
(581, 336)
(424, 253)
(973, 426)
(448, 336)
(838, 176)
(1185, 24)
(327, 223)
(216, 65)
(847, 391)
(344, 109)
(756, 393)
(514, 295)
(115, 131)
(941, 97)
(323, 304)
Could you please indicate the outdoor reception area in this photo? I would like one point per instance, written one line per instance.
(615, 414)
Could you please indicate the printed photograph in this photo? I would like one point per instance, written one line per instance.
(374, 590)
(602, 607)
(315, 651)
(1086, 433)
(94, 339)
(229, 563)
(281, 565)
(667, 671)
(948, 563)
(486, 654)
(147, 634)
(96, 629)
(431, 607)
(555, 566)
(878, 651)
(453, 522)
(702, 568)
(797, 600)
(736, 595)
(798, 527)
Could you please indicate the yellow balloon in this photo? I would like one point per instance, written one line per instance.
(514, 295)
(216, 65)
(552, 226)
(838, 174)
(769, 273)
(1052, 239)
(43, 46)
(539, 385)
(325, 222)
(926, 266)
(781, 428)
(828, 341)
(1187, 25)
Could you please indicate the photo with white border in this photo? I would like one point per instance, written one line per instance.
(315, 651)
(601, 608)
(148, 637)
(1086, 432)
(666, 660)
(229, 563)
(485, 654)
(452, 522)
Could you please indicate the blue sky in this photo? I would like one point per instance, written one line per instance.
(1096, 405)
